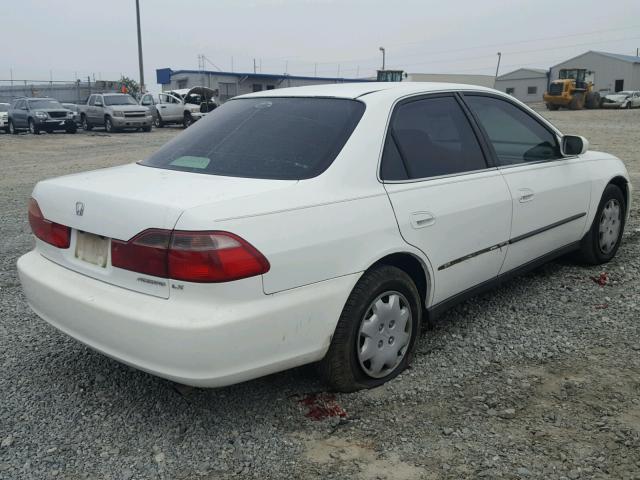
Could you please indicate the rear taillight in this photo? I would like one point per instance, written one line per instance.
(47, 231)
(204, 257)
(144, 253)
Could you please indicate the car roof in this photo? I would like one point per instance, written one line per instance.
(355, 90)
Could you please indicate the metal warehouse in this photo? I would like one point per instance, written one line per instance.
(230, 84)
(526, 84)
(611, 71)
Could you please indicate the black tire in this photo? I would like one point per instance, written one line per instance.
(187, 120)
(33, 128)
(158, 121)
(593, 100)
(577, 102)
(591, 252)
(86, 126)
(340, 367)
(551, 106)
(108, 125)
(73, 129)
(146, 129)
(12, 128)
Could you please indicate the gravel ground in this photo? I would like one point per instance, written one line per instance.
(538, 379)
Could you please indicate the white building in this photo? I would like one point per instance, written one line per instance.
(611, 71)
(526, 84)
(481, 80)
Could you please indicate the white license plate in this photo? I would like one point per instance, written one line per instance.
(92, 249)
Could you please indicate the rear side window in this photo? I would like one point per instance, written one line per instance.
(278, 138)
(428, 138)
(516, 136)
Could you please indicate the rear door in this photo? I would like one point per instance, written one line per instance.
(550, 193)
(449, 202)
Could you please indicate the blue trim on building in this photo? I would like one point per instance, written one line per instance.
(164, 75)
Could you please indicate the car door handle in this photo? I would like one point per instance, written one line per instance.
(163, 106)
(526, 195)
(422, 219)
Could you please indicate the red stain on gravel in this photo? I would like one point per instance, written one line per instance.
(321, 406)
(602, 279)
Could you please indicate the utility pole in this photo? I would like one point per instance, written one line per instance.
(338, 71)
(315, 70)
(140, 63)
(383, 56)
(11, 75)
(254, 65)
(232, 63)
(497, 68)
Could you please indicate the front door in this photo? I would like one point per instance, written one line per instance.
(550, 193)
(448, 201)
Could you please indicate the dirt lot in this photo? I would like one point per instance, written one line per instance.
(539, 379)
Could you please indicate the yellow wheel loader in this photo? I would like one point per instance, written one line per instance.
(573, 90)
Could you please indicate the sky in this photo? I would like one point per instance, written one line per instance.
(69, 39)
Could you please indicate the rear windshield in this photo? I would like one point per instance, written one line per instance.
(278, 138)
(119, 100)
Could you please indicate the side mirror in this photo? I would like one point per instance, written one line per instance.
(574, 145)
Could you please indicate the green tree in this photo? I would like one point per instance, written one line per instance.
(133, 87)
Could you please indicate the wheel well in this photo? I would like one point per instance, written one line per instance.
(622, 183)
(411, 266)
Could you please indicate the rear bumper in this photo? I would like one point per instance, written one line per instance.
(188, 341)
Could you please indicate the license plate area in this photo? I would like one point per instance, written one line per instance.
(92, 249)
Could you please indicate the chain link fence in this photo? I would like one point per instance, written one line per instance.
(64, 91)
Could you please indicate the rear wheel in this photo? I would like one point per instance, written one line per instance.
(551, 106)
(376, 333)
(33, 128)
(85, 124)
(603, 239)
(158, 121)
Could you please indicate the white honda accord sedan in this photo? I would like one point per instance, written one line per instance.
(314, 224)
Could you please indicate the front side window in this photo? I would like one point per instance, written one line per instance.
(277, 138)
(429, 138)
(516, 136)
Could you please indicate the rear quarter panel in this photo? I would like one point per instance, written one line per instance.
(314, 242)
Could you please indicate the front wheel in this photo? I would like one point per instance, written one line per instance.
(376, 333)
(12, 128)
(187, 120)
(73, 129)
(108, 125)
(602, 241)
(33, 128)
(158, 121)
(146, 129)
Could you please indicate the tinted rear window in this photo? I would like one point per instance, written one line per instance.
(278, 138)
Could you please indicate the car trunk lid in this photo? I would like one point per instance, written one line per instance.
(120, 202)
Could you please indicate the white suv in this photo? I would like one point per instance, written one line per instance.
(184, 106)
(4, 117)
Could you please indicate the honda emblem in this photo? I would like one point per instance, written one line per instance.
(79, 208)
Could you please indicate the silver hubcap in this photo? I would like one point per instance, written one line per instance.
(609, 226)
(385, 332)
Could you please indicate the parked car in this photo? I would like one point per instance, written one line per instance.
(39, 114)
(180, 106)
(4, 117)
(114, 112)
(625, 99)
(315, 224)
(73, 108)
